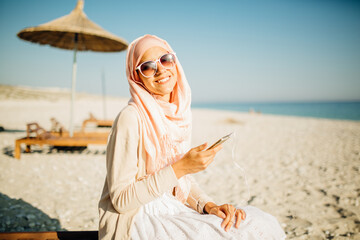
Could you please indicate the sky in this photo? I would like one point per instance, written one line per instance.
(231, 51)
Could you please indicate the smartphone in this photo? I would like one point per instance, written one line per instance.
(220, 141)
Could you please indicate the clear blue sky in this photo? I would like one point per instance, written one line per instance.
(241, 50)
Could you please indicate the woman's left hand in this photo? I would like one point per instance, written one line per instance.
(227, 212)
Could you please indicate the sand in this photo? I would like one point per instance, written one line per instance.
(304, 171)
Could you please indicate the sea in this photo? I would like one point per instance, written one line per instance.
(330, 110)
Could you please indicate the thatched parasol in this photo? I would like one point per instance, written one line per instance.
(75, 32)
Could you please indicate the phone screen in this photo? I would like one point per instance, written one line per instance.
(220, 141)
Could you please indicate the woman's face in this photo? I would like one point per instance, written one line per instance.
(164, 80)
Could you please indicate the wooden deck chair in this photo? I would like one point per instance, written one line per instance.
(57, 129)
(36, 135)
(97, 122)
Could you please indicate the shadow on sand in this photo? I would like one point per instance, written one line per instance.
(4, 130)
(9, 150)
(17, 215)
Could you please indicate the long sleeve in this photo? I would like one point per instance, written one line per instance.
(126, 193)
(197, 197)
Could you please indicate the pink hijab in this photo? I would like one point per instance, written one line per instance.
(166, 125)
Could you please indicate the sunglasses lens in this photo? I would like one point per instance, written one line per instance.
(168, 60)
(148, 68)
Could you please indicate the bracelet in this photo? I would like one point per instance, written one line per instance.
(204, 211)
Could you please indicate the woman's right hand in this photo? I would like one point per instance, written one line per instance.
(195, 160)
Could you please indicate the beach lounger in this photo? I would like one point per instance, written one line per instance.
(36, 135)
(98, 122)
(58, 130)
(57, 142)
(71, 235)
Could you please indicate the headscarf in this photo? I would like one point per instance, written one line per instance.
(166, 125)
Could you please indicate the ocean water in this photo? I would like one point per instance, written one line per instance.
(332, 110)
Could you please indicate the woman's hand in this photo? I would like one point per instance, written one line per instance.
(195, 160)
(227, 212)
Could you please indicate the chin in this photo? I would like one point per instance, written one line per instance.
(170, 89)
(163, 93)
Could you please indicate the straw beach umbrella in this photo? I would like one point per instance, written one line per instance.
(74, 32)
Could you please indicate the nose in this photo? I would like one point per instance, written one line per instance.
(160, 68)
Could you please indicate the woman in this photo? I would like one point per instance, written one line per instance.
(149, 192)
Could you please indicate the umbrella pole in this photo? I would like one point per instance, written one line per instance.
(73, 88)
(104, 93)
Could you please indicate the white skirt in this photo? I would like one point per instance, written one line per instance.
(167, 218)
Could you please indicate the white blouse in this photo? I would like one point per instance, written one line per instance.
(126, 189)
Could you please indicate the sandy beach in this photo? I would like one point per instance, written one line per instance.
(304, 171)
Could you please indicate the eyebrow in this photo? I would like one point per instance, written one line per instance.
(154, 59)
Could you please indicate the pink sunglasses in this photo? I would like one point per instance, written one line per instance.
(149, 68)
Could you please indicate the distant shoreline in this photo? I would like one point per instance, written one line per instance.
(341, 110)
(15, 92)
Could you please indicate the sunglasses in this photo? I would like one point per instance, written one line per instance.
(149, 68)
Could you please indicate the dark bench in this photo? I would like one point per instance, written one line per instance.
(71, 235)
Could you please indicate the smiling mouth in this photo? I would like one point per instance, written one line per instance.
(164, 80)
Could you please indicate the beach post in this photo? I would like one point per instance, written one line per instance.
(73, 87)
